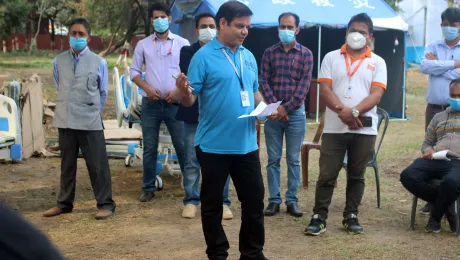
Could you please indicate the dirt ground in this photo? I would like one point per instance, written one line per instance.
(155, 230)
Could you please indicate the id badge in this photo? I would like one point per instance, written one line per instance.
(348, 93)
(245, 98)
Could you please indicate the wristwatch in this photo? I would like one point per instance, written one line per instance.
(355, 112)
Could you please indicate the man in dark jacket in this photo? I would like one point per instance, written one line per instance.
(206, 31)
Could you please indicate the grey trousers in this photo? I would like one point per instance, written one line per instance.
(333, 147)
(92, 145)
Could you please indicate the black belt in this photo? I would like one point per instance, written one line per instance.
(442, 107)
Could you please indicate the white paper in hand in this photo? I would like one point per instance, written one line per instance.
(441, 155)
(263, 109)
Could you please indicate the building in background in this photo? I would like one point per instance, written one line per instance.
(424, 20)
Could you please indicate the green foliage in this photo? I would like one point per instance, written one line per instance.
(394, 4)
(12, 16)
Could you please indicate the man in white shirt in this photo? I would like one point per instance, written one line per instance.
(353, 80)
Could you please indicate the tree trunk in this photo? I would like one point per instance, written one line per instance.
(53, 34)
(34, 39)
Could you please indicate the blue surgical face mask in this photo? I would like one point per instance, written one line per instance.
(161, 25)
(77, 43)
(450, 33)
(286, 36)
(454, 104)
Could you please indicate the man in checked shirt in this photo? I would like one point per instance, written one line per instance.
(286, 75)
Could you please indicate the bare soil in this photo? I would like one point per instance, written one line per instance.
(156, 230)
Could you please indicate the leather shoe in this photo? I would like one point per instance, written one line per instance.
(293, 210)
(55, 212)
(272, 209)
(103, 214)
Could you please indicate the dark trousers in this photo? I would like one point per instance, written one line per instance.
(92, 146)
(333, 148)
(417, 177)
(246, 174)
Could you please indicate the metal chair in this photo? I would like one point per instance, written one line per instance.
(436, 182)
(382, 118)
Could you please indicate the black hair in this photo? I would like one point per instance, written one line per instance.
(231, 10)
(454, 82)
(362, 18)
(81, 21)
(451, 14)
(159, 7)
(296, 17)
(202, 15)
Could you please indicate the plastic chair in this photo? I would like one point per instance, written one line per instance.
(436, 182)
(382, 118)
(10, 130)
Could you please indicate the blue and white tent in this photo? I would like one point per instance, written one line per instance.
(322, 23)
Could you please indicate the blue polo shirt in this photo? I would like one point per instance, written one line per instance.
(218, 90)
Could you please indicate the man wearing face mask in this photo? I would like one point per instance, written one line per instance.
(442, 62)
(353, 80)
(292, 87)
(206, 31)
(442, 134)
(81, 78)
(160, 54)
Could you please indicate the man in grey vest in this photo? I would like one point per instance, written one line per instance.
(81, 78)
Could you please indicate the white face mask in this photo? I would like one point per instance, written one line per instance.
(356, 40)
(206, 35)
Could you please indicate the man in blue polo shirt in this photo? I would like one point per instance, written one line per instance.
(223, 75)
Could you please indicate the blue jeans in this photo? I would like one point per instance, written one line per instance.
(294, 129)
(191, 174)
(153, 113)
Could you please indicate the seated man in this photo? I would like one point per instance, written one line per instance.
(443, 133)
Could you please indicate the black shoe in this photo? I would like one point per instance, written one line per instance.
(450, 216)
(433, 226)
(426, 209)
(272, 209)
(317, 226)
(293, 210)
(147, 196)
(351, 224)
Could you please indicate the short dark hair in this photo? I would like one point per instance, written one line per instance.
(81, 21)
(296, 17)
(159, 7)
(231, 10)
(451, 14)
(201, 16)
(362, 18)
(454, 82)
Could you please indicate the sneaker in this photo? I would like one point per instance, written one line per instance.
(433, 226)
(146, 196)
(227, 213)
(189, 211)
(426, 209)
(351, 224)
(317, 226)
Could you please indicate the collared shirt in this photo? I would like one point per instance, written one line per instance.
(102, 73)
(352, 90)
(161, 60)
(286, 75)
(443, 133)
(218, 89)
(441, 71)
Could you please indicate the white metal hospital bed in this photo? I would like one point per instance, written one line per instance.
(128, 102)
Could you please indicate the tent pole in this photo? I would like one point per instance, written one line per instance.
(319, 70)
(404, 80)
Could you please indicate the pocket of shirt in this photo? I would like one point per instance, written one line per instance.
(296, 72)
